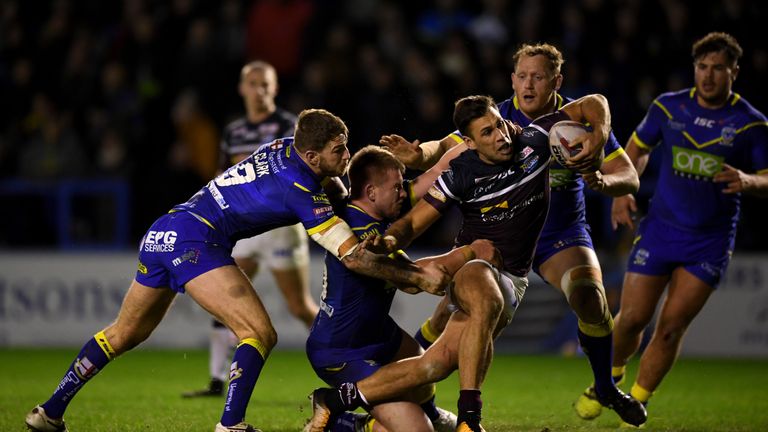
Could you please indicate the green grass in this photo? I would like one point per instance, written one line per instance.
(140, 392)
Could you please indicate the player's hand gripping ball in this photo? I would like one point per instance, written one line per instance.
(561, 136)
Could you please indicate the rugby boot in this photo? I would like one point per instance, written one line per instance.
(628, 408)
(446, 422)
(469, 422)
(240, 427)
(587, 406)
(321, 414)
(215, 388)
(37, 420)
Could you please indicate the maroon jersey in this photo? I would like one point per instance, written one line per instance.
(505, 203)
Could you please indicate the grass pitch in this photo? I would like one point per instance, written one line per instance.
(141, 392)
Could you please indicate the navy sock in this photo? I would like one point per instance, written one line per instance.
(424, 335)
(91, 359)
(246, 367)
(430, 409)
(470, 405)
(599, 351)
(422, 340)
(346, 397)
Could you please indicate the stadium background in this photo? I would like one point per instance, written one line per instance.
(111, 112)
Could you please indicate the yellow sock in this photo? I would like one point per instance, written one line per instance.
(428, 332)
(369, 425)
(640, 393)
(618, 371)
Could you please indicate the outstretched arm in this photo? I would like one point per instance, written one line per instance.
(592, 109)
(423, 182)
(402, 232)
(415, 155)
(339, 239)
(616, 176)
(455, 259)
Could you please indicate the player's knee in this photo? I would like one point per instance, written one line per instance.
(123, 337)
(261, 331)
(583, 287)
(629, 321)
(589, 303)
(671, 333)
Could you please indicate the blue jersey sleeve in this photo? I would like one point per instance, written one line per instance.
(757, 136)
(649, 132)
(313, 208)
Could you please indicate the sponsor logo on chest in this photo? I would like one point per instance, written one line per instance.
(695, 164)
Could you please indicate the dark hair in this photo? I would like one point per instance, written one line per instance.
(552, 54)
(469, 108)
(717, 42)
(315, 128)
(369, 164)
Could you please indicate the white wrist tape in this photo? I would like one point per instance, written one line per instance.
(334, 237)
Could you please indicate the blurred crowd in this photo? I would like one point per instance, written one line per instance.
(139, 90)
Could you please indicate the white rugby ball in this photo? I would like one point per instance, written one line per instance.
(560, 137)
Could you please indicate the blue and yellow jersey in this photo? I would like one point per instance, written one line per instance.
(272, 187)
(695, 142)
(567, 206)
(353, 322)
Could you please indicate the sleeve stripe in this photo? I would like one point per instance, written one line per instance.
(411, 194)
(300, 187)
(663, 108)
(616, 153)
(751, 125)
(640, 142)
(364, 228)
(323, 226)
(456, 137)
(763, 171)
(446, 190)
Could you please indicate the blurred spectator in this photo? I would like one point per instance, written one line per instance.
(53, 152)
(196, 147)
(117, 68)
(275, 33)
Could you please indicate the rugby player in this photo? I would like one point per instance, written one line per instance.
(501, 187)
(285, 250)
(190, 250)
(711, 140)
(353, 335)
(565, 255)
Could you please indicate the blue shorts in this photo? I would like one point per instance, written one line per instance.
(660, 248)
(356, 369)
(556, 241)
(177, 248)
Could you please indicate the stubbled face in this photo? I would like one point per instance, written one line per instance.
(388, 194)
(258, 87)
(535, 85)
(492, 137)
(714, 76)
(334, 158)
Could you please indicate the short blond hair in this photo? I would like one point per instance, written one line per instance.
(257, 65)
(552, 54)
